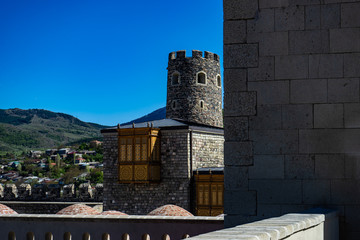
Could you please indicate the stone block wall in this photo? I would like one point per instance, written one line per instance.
(291, 107)
(143, 198)
(176, 171)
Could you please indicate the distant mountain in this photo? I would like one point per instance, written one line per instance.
(155, 115)
(22, 130)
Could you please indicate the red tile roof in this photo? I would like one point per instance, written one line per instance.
(6, 210)
(78, 209)
(112, 213)
(170, 210)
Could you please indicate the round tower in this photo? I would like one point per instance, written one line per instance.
(194, 91)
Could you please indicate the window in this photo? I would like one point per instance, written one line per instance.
(139, 155)
(209, 194)
(175, 78)
(218, 81)
(201, 78)
(201, 104)
(174, 105)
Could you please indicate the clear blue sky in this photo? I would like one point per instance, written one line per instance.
(101, 61)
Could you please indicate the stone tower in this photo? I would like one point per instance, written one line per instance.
(194, 91)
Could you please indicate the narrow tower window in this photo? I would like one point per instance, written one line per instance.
(218, 81)
(201, 104)
(201, 78)
(174, 105)
(175, 78)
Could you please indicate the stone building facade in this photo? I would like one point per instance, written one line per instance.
(191, 137)
(291, 117)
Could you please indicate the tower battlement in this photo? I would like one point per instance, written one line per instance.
(195, 54)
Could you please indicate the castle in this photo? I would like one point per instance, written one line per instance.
(177, 160)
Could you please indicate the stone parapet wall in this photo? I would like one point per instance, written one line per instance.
(34, 226)
(43, 207)
(311, 226)
(51, 192)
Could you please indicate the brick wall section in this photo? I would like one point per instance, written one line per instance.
(175, 185)
(291, 83)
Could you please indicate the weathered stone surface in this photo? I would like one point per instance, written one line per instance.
(241, 55)
(345, 191)
(308, 91)
(265, 71)
(270, 44)
(343, 90)
(330, 16)
(291, 67)
(239, 9)
(263, 23)
(238, 153)
(342, 40)
(273, 3)
(267, 167)
(235, 80)
(240, 202)
(326, 66)
(352, 115)
(272, 192)
(274, 141)
(316, 192)
(350, 14)
(305, 42)
(351, 65)
(330, 166)
(207, 150)
(352, 166)
(236, 178)
(299, 166)
(268, 117)
(328, 115)
(271, 92)
(239, 104)
(234, 32)
(312, 17)
(236, 128)
(328, 141)
(290, 18)
(297, 116)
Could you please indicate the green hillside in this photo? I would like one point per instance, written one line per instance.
(22, 130)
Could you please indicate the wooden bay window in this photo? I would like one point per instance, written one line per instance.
(139, 155)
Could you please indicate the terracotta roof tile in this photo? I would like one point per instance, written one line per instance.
(6, 210)
(78, 209)
(112, 213)
(170, 210)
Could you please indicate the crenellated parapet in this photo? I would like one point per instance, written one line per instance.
(51, 192)
(180, 55)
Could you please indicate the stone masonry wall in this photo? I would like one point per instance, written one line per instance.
(292, 109)
(188, 94)
(143, 198)
(207, 150)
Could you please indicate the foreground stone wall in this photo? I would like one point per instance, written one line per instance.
(292, 107)
(318, 225)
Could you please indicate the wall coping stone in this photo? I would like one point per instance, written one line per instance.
(273, 228)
